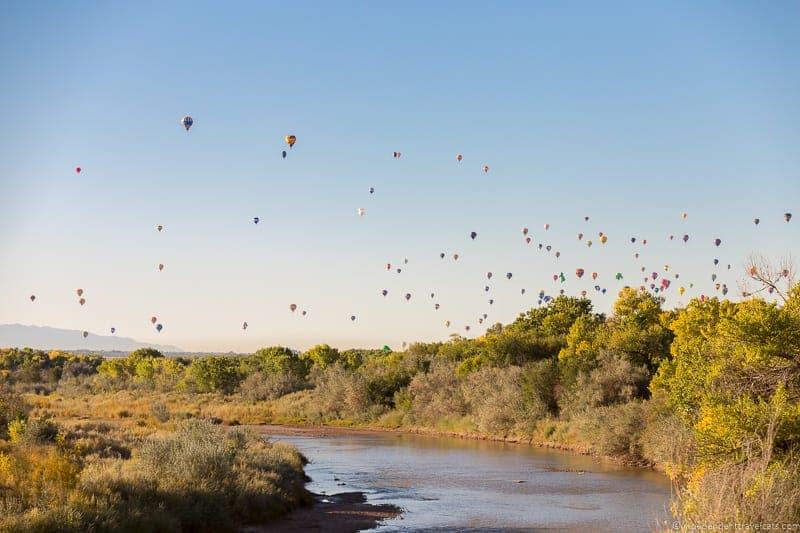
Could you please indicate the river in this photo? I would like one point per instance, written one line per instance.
(448, 484)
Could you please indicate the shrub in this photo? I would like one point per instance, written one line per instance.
(160, 411)
(436, 395)
(616, 430)
(259, 386)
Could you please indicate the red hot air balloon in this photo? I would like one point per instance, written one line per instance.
(579, 272)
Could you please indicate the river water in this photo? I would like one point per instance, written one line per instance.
(446, 484)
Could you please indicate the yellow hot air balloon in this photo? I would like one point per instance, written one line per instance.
(604, 239)
(682, 290)
(290, 140)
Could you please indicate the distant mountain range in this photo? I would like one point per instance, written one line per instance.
(47, 338)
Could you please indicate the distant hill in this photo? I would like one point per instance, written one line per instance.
(47, 338)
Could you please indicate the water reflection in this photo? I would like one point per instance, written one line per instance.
(456, 485)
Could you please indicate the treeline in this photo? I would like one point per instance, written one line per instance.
(710, 392)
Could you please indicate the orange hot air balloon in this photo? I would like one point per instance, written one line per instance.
(579, 272)
(290, 140)
(153, 319)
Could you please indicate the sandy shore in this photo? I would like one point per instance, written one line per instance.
(347, 512)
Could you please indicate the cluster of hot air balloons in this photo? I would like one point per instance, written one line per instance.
(653, 281)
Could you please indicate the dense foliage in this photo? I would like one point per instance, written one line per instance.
(710, 392)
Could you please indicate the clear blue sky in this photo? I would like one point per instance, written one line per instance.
(629, 112)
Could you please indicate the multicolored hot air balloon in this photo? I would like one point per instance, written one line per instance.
(459, 157)
(579, 272)
(187, 122)
(361, 211)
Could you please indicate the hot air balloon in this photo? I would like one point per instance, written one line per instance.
(604, 239)
(489, 275)
(485, 169)
(716, 261)
(562, 277)
(292, 307)
(113, 330)
(82, 301)
(187, 122)
(447, 323)
(586, 219)
(654, 275)
(717, 242)
(472, 235)
(80, 292)
(399, 270)
(685, 238)
(589, 244)
(396, 155)
(160, 267)
(78, 170)
(304, 312)
(756, 221)
(524, 231)
(455, 257)
(491, 301)
(466, 328)
(384, 292)
(371, 190)
(153, 320)
(509, 275)
(361, 211)
(284, 154)
(459, 157)
(787, 217)
(441, 255)
(558, 254)
(85, 334)
(522, 291)
(594, 275)
(546, 226)
(290, 140)
(159, 327)
(244, 325)
(633, 239)
(579, 272)
(408, 296)
(405, 261)
(388, 266)
(256, 220)
(682, 290)
(436, 306)
(713, 277)
(159, 227)
(580, 236)
(528, 240)
(32, 297)
(486, 288)
(352, 318)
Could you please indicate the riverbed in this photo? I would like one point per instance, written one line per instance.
(449, 484)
